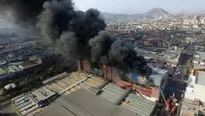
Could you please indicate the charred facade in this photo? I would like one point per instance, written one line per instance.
(114, 75)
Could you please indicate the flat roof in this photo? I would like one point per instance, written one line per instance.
(2, 71)
(187, 106)
(28, 64)
(84, 103)
(41, 94)
(197, 66)
(201, 78)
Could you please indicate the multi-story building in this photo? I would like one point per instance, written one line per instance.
(112, 74)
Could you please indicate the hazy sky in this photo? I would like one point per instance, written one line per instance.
(141, 6)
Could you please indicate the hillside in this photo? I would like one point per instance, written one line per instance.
(153, 13)
(120, 17)
(157, 13)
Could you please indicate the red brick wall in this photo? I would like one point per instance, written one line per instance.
(86, 66)
(111, 73)
(107, 72)
(155, 93)
(148, 91)
(79, 65)
(115, 75)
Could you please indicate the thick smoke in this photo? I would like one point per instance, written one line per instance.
(100, 46)
(59, 22)
(77, 34)
(123, 56)
(23, 10)
(80, 34)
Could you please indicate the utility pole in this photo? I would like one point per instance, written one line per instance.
(163, 95)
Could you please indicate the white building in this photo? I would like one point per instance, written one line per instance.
(196, 86)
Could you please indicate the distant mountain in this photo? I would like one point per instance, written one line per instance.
(109, 17)
(157, 13)
(153, 13)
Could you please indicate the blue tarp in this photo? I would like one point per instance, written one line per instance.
(20, 71)
(135, 77)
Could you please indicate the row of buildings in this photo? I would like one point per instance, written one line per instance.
(103, 90)
(194, 99)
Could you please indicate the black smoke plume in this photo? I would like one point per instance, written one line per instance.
(100, 46)
(77, 34)
(68, 29)
(80, 34)
(123, 56)
(23, 10)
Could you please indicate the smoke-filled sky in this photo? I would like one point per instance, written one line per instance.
(111, 6)
(141, 6)
(82, 35)
(76, 34)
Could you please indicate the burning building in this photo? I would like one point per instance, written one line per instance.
(114, 75)
(78, 34)
(104, 71)
(82, 35)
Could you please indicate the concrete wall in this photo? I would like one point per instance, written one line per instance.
(155, 92)
(86, 66)
(115, 75)
(148, 91)
(107, 72)
(197, 93)
(112, 74)
(79, 65)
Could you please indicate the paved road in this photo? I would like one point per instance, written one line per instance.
(175, 83)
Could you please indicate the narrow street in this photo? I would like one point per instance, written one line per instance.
(175, 84)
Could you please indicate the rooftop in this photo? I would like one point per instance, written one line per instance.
(112, 92)
(9, 69)
(138, 104)
(197, 66)
(100, 95)
(24, 104)
(65, 83)
(41, 94)
(34, 97)
(200, 78)
(196, 92)
(189, 108)
(76, 104)
(28, 64)
(2, 71)
(157, 79)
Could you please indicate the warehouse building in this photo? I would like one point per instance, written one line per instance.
(23, 104)
(51, 90)
(84, 103)
(27, 103)
(110, 102)
(79, 89)
(112, 74)
(43, 96)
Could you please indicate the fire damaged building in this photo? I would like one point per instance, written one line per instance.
(82, 35)
(114, 75)
(104, 71)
